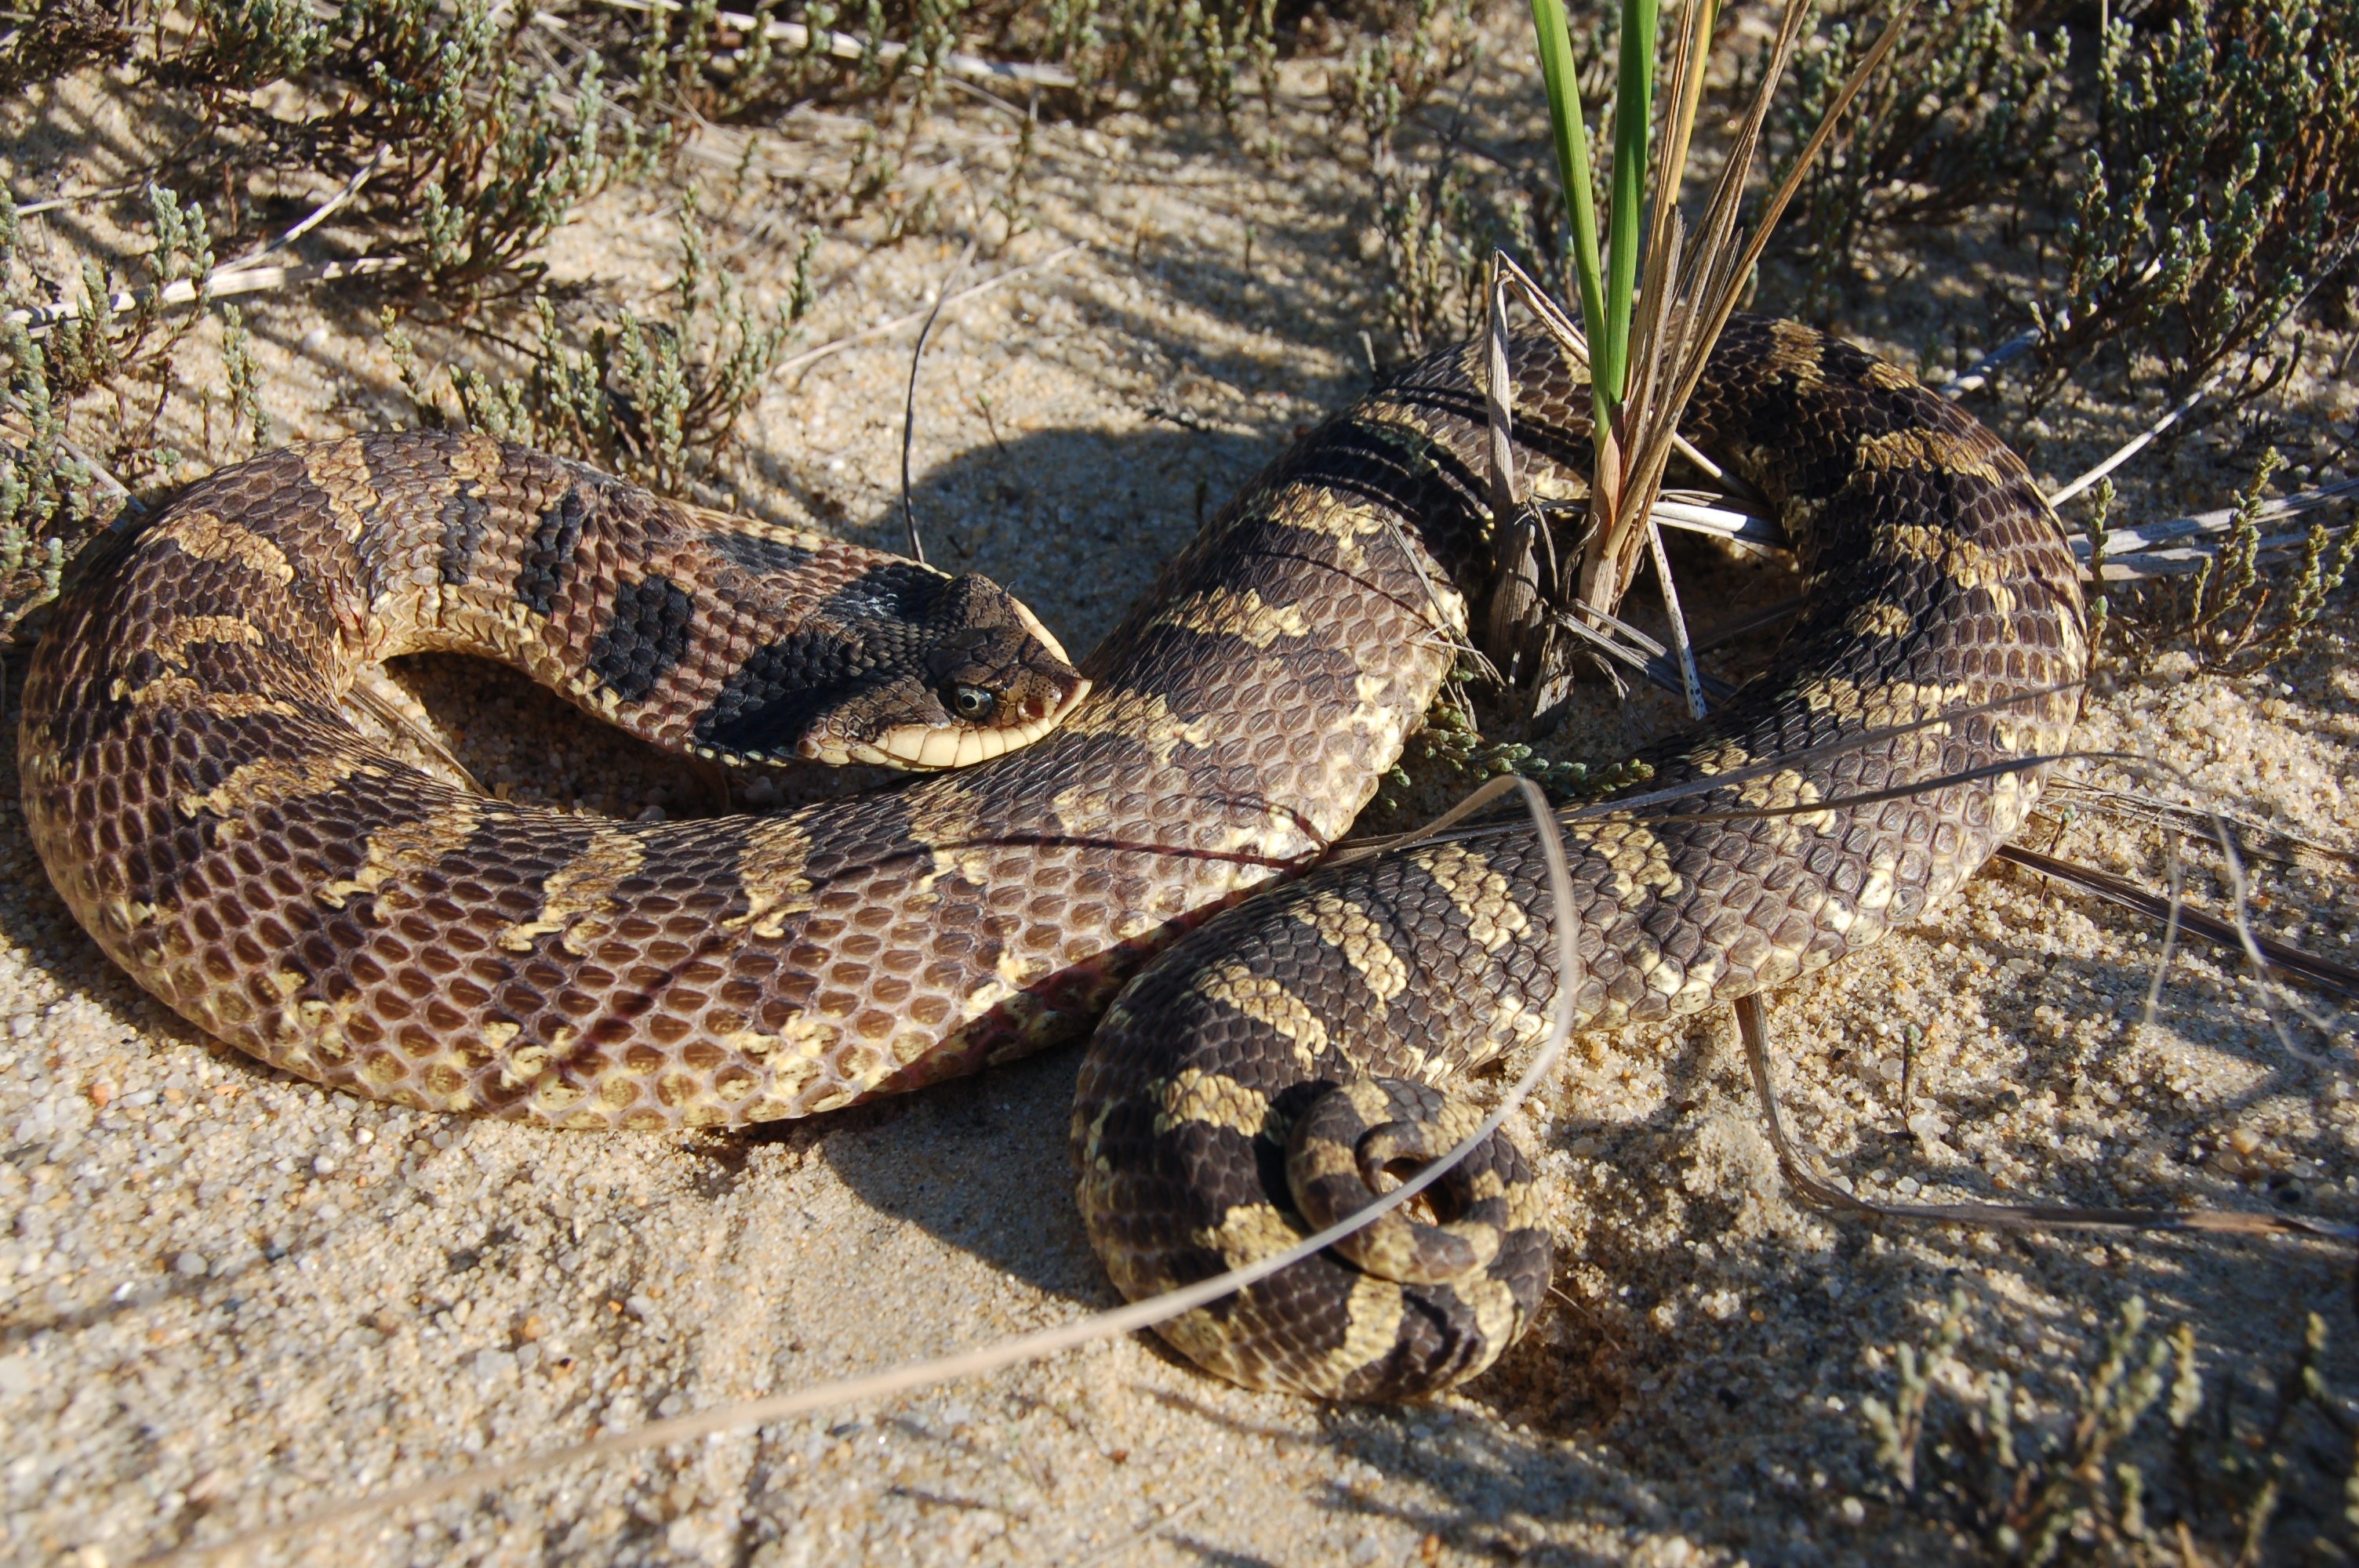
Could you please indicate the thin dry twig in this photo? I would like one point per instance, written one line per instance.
(318, 216)
(98, 470)
(1698, 514)
(1146, 1533)
(2295, 962)
(2137, 443)
(1690, 680)
(1978, 376)
(810, 357)
(909, 407)
(383, 698)
(845, 46)
(2141, 550)
(59, 203)
(220, 284)
(1813, 1188)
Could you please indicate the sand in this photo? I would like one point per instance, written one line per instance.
(228, 1297)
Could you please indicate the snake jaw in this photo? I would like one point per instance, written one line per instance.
(935, 747)
(946, 673)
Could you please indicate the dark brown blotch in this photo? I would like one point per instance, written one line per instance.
(645, 636)
(550, 555)
(756, 552)
(464, 517)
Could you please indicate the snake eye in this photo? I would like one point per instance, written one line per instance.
(973, 703)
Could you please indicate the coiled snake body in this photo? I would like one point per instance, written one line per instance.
(250, 857)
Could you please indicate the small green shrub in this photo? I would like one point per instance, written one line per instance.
(1436, 213)
(239, 44)
(2149, 1469)
(488, 154)
(1432, 214)
(102, 347)
(55, 37)
(656, 400)
(119, 370)
(47, 495)
(492, 156)
(1388, 75)
(2221, 187)
(45, 491)
(2237, 615)
(1966, 113)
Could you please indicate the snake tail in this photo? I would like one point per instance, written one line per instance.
(1938, 581)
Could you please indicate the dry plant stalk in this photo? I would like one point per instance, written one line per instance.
(1690, 296)
(1690, 288)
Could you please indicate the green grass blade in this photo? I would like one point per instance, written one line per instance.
(1561, 78)
(1634, 108)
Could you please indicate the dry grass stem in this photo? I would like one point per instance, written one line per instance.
(2255, 838)
(909, 402)
(1810, 1185)
(2174, 914)
(1691, 683)
(810, 357)
(221, 284)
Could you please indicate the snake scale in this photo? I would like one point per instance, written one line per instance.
(249, 855)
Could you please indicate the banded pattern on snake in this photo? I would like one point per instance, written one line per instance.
(1938, 581)
(246, 854)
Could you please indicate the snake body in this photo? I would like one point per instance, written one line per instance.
(249, 855)
(1206, 1126)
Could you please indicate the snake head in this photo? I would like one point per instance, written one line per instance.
(993, 679)
(904, 668)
